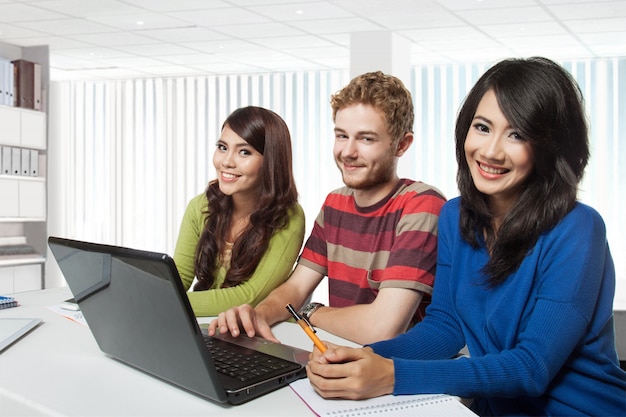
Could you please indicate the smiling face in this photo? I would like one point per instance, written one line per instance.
(364, 151)
(238, 165)
(500, 160)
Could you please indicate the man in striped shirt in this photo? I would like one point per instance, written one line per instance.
(375, 239)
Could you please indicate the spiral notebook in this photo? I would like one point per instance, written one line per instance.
(388, 405)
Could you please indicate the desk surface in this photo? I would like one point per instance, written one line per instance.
(58, 369)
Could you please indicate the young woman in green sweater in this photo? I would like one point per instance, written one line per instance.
(240, 238)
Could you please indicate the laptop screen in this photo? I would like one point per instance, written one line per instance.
(137, 314)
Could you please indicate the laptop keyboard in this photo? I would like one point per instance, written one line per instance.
(242, 363)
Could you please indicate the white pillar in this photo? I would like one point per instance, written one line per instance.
(380, 50)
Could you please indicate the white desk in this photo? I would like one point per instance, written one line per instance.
(58, 369)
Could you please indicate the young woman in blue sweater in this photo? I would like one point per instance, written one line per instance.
(524, 276)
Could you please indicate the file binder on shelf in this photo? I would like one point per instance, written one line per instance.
(16, 161)
(11, 84)
(27, 84)
(6, 160)
(6, 82)
(37, 87)
(34, 163)
(25, 164)
(3, 80)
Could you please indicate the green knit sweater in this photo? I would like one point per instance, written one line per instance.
(273, 269)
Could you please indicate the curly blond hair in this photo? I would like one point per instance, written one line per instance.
(385, 93)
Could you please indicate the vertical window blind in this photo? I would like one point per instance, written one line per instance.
(128, 155)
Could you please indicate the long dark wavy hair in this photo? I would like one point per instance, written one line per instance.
(543, 102)
(266, 132)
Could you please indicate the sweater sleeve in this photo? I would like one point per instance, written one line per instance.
(571, 289)
(273, 269)
(188, 236)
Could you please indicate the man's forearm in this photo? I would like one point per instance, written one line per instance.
(272, 308)
(350, 323)
(369, 323)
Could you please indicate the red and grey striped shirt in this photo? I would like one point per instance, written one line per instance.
(392, 243)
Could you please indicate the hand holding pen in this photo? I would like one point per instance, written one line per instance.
(306, 326)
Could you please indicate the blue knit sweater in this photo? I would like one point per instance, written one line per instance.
(542, 343)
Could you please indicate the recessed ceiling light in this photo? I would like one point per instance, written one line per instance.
(140, 22)
(299, 12)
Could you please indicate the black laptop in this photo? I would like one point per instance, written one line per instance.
(139, 314)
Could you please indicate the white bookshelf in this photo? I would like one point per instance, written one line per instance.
(23, 214)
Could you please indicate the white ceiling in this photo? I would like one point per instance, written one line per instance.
(94, 39)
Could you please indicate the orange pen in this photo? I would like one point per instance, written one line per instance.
(306, 326)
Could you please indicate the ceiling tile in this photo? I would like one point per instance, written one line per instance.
(293, 42)
(221, 46)
(418, 19)
(192, 59)
(318, 53)
(10, 32)
(111, 73)
(84, 9)
(300, 11)
(53, 42)
(178, 5)
(533, 29)
(596, 25)
(495, 16)
(184, 34)
(21, 12)
(227, 67)
(139, 21)
(66, 64)
(590, 10)
(259, 30)
(134, 61)
(484, 4)
(428, 35)
(247, 3)
(155, 49)
(216, 17)
(112, 39)
(95, 53)
(66, 27)
(339, 26)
